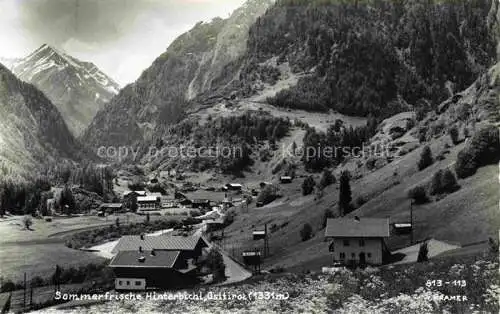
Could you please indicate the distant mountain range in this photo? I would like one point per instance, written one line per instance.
(77, 88)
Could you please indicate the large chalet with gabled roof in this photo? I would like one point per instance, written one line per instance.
(149, 262)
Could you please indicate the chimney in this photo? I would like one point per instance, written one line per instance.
(140, 249)
(356, 218)
(153, 253)
(142, 236)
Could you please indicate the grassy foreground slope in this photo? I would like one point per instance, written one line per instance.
(388, 290)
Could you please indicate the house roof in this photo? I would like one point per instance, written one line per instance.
(161, 259)
(149, 198)
(200, 201)
(111, 205)
(161, 242)
(157, 194)
(143, 193)
(364, 227)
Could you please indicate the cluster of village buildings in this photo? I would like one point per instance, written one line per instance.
(147, 202)
(146, 262)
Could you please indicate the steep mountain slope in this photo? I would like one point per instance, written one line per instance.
(464, 216)
(187, 68)
(78, 89)
(32, 129)
(374, 59)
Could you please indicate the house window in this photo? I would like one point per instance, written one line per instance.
(128, 283)
(120, 282)
(137, 283)
(361, 242)
(346, 242)
(342, 255)
(369, 255)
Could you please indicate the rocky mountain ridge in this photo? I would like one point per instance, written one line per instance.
(77, 88)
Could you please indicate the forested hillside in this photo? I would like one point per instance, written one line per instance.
(377, 58)
(32, 130)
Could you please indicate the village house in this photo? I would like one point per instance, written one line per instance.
(286, 179)
(148, 203)
(111, 207)
(169, 202)
(127, 194)
(146, 262)
(200, 203)
(358, 241)
(234, 186)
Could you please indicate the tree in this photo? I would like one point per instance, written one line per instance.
(436, 186)
(449, 182)
(268, 194)
(345, 195)
(67, 200)
(465, 165)
(308, 185)
(133, 204)
(484, 149)
(327, 178)
(425, 158)
(453, 132)
(328, 214)
(27, 222)
(423, 253)
(306, 232)
(8, 286)
(215, 262)
(418, 194)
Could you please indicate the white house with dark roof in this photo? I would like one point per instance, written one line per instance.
(148, 203)
(143, 262)
(358, 241)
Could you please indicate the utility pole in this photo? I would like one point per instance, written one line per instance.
(411, 221)
(24, 293)
(266, 242)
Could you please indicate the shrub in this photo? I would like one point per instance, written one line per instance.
(27, 222)
(449, 182)
(418, 194)
(308, 185)
(268, 194)
(436, 187)
(484, 149)
(443, 181)
(425, 158)
(215, 262)
(327, 178)
(423, 253)
(8, 286)
(465, 165)
(360, 200)
(345, 194)
(453, 132)
(306, 232)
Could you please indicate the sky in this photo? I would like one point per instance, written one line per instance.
(122, 37)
